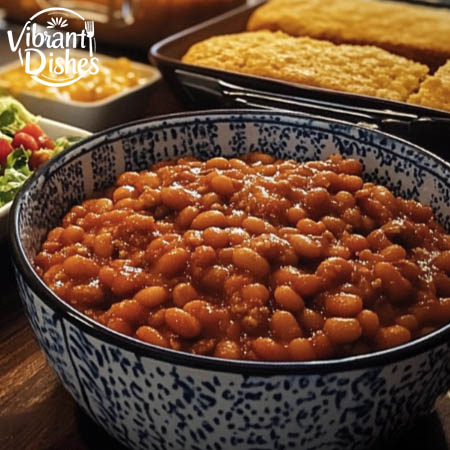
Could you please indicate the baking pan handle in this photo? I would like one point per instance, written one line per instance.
(270, 103)
(294, 103)
(234, 95)
(429, 132)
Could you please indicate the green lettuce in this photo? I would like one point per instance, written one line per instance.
(15, 174)
(13, 116)
(65, 142)
(5, 137)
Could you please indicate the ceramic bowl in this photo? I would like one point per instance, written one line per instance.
(99, 114)
(154, 398)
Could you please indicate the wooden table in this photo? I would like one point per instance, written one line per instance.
(36, 413)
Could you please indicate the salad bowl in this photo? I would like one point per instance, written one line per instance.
(54, 130)
(153, 398)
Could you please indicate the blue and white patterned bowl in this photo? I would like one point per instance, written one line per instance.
(154, 398)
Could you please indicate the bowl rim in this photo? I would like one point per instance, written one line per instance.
(244, 367)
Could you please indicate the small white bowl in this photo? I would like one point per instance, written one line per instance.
(54, 130)
(92, 116)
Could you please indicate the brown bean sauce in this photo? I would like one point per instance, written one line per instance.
(253, 258)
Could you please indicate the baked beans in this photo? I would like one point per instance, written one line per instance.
(253, 258)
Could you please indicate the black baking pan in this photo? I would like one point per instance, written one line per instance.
(201, 87)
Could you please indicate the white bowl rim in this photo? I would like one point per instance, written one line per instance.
(244, 367)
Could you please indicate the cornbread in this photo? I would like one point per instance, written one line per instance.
(363, 70)
(434, 92)
(416, 32)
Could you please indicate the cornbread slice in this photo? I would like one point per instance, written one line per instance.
(359, 69)
(434, 92)
(417, 32)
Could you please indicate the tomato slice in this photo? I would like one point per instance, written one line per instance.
(5, 150)
(33, 129)
(45, 142)
(39, 157)
(24, 140)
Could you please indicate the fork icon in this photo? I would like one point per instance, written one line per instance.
(89, 27)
